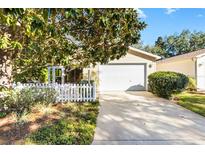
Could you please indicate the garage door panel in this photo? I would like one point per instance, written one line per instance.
(122, 77)
(201, 76)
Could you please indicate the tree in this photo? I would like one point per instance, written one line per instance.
(181, 42)
(15, 33)
(197, 41)
(177, 44)
(160, 43)
(104, 34)
(158, 49)
(34, 38)
(139, 45)
(28, 39)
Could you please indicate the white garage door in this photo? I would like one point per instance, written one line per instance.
(201, 76)
(122, 77)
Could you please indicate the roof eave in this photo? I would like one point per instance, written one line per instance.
(145, 53)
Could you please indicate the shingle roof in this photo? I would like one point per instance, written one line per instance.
(183, 56)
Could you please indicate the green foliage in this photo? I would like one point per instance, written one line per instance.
(156, 50)
(193, 102)
(160, 43)
(109, 32)
(164, 84)
(76, 128)
(2, 114)
(3, 88)
(177, 44)
(34, 38)
(31, 74)
(64, 132)
(191, 84)
(21, 101)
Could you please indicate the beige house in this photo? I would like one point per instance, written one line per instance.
(127, 73)
(191, 64)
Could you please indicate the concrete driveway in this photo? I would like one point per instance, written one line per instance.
(142, 118)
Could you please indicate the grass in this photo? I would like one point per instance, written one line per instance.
(69, 123)
(193, 102)
(76, 127)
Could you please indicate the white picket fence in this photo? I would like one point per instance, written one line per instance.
(65, 92)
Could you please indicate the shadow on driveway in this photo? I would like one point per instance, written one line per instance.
(142, 118)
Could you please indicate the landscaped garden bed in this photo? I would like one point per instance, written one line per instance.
(68, 123)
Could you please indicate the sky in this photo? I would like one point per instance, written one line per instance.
(164, 22)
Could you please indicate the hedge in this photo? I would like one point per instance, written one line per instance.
(164, 84)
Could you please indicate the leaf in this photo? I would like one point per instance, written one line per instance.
(16, 45)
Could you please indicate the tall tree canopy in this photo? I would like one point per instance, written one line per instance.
(177, 44)
(33, 38)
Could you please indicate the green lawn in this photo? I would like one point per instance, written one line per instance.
(193, 102)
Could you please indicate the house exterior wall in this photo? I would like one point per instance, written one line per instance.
(186, 67)
(127, 59)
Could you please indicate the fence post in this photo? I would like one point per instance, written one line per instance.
(72, 92)
(94, 91)
(76, 90)
(69, 92)
(87, 91)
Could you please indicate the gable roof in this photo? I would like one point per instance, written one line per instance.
(189, 55)
(143, 54)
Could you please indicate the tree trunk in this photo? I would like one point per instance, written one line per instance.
(5, 68)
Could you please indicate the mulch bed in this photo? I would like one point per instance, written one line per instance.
(13, 132)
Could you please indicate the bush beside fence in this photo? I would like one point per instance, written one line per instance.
(22, 101)
(65, 92)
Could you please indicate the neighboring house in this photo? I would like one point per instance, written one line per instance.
(191, 64)
(130, 72)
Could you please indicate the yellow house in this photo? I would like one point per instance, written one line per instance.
(191, 64)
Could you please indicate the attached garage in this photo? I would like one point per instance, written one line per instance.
(122, 77)
(129, 73)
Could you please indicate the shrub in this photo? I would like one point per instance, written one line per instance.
(59, 133)
(164, 84)
(31, 75)
(64, 131)
(191, 86)
(22, 101)
(77, 126)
